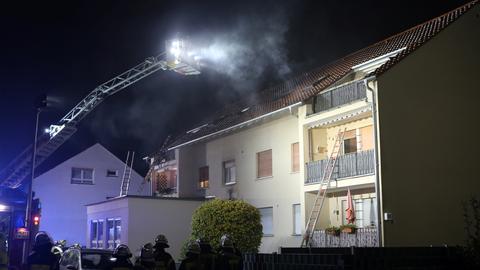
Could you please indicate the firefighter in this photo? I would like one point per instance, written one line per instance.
(42, 257)
(163, 260)
(207, 256)
(122, 255)
(192, 260)
(229, 258)
(146, 261)
(3, 253)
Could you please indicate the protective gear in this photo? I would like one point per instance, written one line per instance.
(146, 261)
(42, 239)
(207, 257)
(122, 251)
(59, 247)
(192, 260)
(226, 241)
(163, 260)
(161, 240)
(193, 247)
(42, 256)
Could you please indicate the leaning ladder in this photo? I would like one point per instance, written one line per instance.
(322, 191)
(127, 173)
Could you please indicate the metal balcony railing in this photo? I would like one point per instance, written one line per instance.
(352, 164)
(363, 237)
(339, 96)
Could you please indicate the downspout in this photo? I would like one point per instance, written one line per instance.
(378, 192)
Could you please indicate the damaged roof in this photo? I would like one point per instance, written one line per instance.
(309, 84)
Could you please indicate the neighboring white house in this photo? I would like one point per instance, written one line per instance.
(137, 220)
(88, 177)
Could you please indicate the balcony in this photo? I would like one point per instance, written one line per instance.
(363, 237)
(349, 165)
(339, 96)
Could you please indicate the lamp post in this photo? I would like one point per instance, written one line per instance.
(40, 104)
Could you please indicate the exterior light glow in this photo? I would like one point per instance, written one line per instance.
(3, 207)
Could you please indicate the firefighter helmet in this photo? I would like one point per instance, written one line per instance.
(193, 247)
(42, 239)
(226, 241)
(122, 251)
(161, 240)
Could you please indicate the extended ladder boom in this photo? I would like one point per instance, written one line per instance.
(16, 171)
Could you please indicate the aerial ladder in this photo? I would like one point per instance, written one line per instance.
(177, 58)
(322, 190)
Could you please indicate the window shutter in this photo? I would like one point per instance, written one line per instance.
(366, 134)
(295, 157)
(349, 134)
(264, 163)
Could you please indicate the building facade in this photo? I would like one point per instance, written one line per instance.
(400, 105)
(90, 176)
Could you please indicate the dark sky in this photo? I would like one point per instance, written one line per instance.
(67, 48)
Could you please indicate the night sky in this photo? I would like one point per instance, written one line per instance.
(67, 48)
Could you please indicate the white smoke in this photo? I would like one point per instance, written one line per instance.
(245, 50)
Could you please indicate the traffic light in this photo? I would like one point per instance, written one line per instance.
(36, 220)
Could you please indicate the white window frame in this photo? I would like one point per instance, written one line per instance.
(116, 241)
(232, 180)
(97, 242)
(297, 228)
(261, 220)
(82, 180)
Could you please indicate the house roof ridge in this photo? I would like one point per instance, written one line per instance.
(326, 75)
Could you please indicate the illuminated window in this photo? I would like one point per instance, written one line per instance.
(295, 157)
(203, 177)
(266, 217)
(264, 163)
(82, 176)
(114, 230)
(96, 234)
(365, 212)
(229, 172)
(297, 230)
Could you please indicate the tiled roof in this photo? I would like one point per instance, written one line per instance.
(309, 84)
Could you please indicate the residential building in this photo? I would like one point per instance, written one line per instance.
(92, 175)
(401, 104)
(137, 220)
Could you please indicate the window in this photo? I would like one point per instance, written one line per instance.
(365, 212)
(82, 176)
(264, 163)
(112, 173)
(114, 230)
(229, 174)
(350, 142)
(96, 234)
(295, 157)
(297, 230)
(203, 177)
(266, 216)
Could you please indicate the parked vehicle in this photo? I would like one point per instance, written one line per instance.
(85, 259)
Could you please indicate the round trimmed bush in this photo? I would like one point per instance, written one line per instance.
(238, 219)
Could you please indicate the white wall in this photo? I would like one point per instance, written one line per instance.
(63, 204)
(143, 218)
(280, 191)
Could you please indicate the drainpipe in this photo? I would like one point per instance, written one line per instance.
(378, 192)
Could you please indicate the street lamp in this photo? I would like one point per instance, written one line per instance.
(40, 104)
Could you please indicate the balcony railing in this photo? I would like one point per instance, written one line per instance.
(363, 237)
(339, 96)
(352, 164)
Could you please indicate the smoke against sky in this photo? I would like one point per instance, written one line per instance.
(244, 51)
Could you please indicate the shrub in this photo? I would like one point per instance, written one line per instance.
(238, 219)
